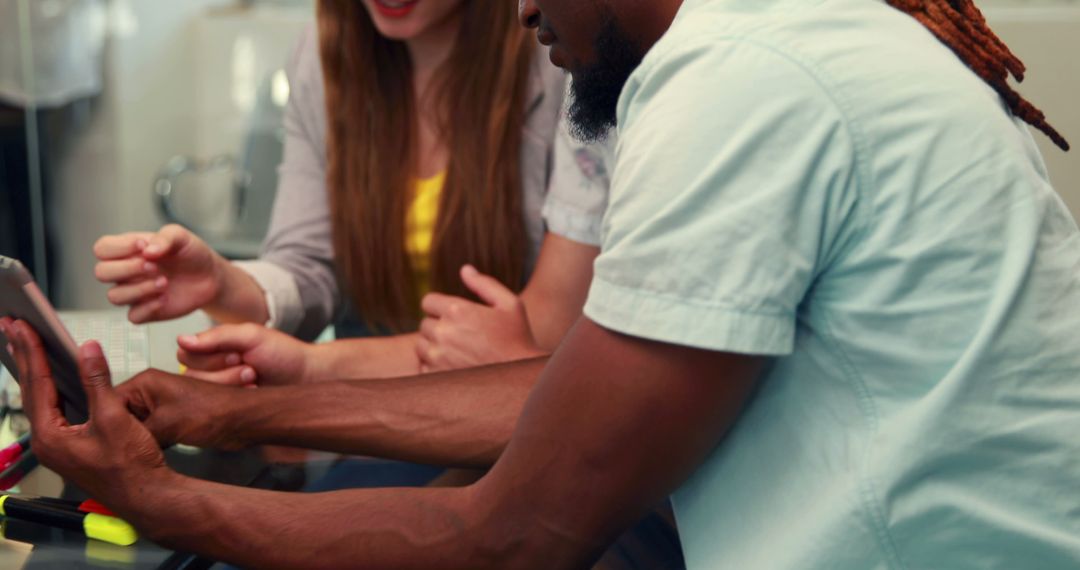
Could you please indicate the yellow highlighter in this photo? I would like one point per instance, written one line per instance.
(93, 525)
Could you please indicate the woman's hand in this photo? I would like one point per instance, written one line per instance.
(161, 275)
(247, 354)
(458, 333)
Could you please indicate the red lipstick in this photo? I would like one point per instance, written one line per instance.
(395, 8)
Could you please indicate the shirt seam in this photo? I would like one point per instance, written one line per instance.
(868, 489)
(725, 305)
(562, 212)
(851, 126)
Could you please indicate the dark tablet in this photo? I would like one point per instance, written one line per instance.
(20, 298)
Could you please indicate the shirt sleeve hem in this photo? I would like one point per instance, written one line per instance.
(667, 319)
(572, 224)
(283, 301)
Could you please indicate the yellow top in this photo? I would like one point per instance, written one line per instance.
(420, 228)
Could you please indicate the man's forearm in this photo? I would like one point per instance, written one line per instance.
(374, 357)
(386, 528)
(456, 419)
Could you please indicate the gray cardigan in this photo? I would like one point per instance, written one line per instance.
(296, 269)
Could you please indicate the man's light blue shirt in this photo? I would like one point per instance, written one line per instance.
(825, 183)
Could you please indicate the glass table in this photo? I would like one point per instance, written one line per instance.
(32, 546)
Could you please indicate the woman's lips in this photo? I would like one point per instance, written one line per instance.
(395, 8)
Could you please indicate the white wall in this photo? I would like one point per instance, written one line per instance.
(165, 62)
(1047, 40)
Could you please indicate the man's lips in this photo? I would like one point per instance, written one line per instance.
(545, 36)
(556, 57)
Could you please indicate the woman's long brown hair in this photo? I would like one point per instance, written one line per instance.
(372, 155)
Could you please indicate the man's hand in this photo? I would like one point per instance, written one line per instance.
(181, 410)
(161, 275)
(112, 455)
(458, 333)
(245, 355)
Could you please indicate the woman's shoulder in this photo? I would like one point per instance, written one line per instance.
(304, 69)
(544, 102)
(547, 83)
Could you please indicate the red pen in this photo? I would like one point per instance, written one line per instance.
(18, 469)
(11, 453)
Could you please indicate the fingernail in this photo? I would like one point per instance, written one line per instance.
(189, 339)
(161, 282)
(11, 349)
(152, 249)
(247, 375)
(149, 267)
(232, 360)
(141, 244)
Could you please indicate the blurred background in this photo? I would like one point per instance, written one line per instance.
(121, 115)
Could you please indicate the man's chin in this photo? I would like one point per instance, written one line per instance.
(589, 124)
(596, 87)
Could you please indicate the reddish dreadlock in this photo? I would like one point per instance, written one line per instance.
(960, 25)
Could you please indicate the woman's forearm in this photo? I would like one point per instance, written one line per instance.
(240, 299)
(373, 357)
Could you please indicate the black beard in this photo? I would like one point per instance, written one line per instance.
(595, 90)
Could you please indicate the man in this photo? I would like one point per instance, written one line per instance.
(822, 224)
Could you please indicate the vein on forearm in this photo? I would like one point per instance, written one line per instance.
(386, 528)
(457, 419)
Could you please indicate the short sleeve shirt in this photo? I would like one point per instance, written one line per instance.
(824, 183)
(578, 194)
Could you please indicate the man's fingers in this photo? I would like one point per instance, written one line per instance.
(140, 291)
(208, 362)
(7, 327)
(25, 342)
(121, 246)
(224, 338)
(36, 378)
(488, 288)
(96, 379)
(235, 376)
(123, 270)
(168, 240)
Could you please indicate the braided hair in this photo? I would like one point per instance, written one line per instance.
(960, 25)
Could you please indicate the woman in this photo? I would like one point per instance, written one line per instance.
(435, 154)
